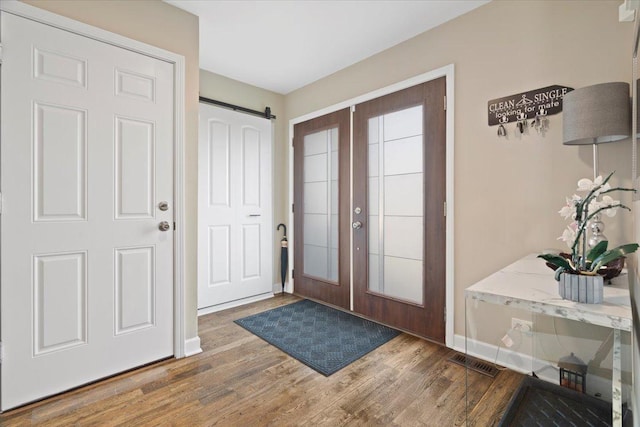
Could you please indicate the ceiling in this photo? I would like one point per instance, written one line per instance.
(284, 45)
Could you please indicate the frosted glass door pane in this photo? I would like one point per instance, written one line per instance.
(321, 204)
(396, 207)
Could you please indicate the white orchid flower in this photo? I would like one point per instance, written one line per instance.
(568, 212)
(608, 201)
(593, 203)
(604, 188)
(568, 236)
(585, 184)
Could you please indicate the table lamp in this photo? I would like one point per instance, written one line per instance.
(595, 115)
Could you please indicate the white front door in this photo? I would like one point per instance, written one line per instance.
(234, 207)
(86, 160)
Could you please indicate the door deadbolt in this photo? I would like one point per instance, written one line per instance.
(357, 210)
(164, 226)
(163, 206)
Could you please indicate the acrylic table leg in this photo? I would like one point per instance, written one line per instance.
(616, 381)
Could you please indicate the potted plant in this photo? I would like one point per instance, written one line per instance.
(580, 274)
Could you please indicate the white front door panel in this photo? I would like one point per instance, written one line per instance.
(234, 207)
(86, 157)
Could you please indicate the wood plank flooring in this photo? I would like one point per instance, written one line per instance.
(240, 380)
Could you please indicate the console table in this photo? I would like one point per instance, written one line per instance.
(528, 284)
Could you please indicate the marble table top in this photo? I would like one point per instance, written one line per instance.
(529, 284)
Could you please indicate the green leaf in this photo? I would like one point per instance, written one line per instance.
(597, 250)
(556, 260)
(612, 255)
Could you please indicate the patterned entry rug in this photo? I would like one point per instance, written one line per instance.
(321, 337)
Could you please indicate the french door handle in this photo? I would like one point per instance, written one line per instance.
(356, 225)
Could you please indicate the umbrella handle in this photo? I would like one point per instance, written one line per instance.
(285, 229)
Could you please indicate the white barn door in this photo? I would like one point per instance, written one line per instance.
(235, 226)
(86, 162)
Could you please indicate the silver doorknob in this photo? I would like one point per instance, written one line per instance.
(356, 225)
(164, 226)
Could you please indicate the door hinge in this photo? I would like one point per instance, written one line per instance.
(445, 103)
(0, 54)
(293, 274)
(174, 225)
(445, 208)
(292, 210)
(1, 352)
(445, 314)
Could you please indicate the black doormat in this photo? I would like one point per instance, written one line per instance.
(321, 337)
(540, 403)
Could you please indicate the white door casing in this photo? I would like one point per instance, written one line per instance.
(235, 223)
(87, 155)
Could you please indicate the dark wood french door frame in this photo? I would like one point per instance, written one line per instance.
(426, 319)
(335, 293)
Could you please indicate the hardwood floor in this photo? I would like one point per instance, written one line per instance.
(240, 380)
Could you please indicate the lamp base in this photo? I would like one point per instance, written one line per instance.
(597, 235)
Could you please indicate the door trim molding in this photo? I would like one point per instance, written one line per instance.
(45, 17)
(447, 71)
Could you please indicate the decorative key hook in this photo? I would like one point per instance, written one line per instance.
(521, 124)
(541, 122)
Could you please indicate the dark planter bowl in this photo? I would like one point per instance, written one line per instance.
(608, 272)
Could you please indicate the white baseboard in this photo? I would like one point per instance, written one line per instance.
(236, 303)
(525, 363)
(192, 346)
(277, 287)
(513, 360)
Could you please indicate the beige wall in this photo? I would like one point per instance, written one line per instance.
(507, 191)
(221, 88)
(159, 24)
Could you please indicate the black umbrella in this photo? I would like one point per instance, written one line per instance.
(284, 255)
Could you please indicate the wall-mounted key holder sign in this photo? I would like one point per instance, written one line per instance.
(535, 104)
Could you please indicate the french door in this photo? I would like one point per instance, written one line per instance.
(396, 212)
(398, 197)
(321, 201)
(87, 223)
